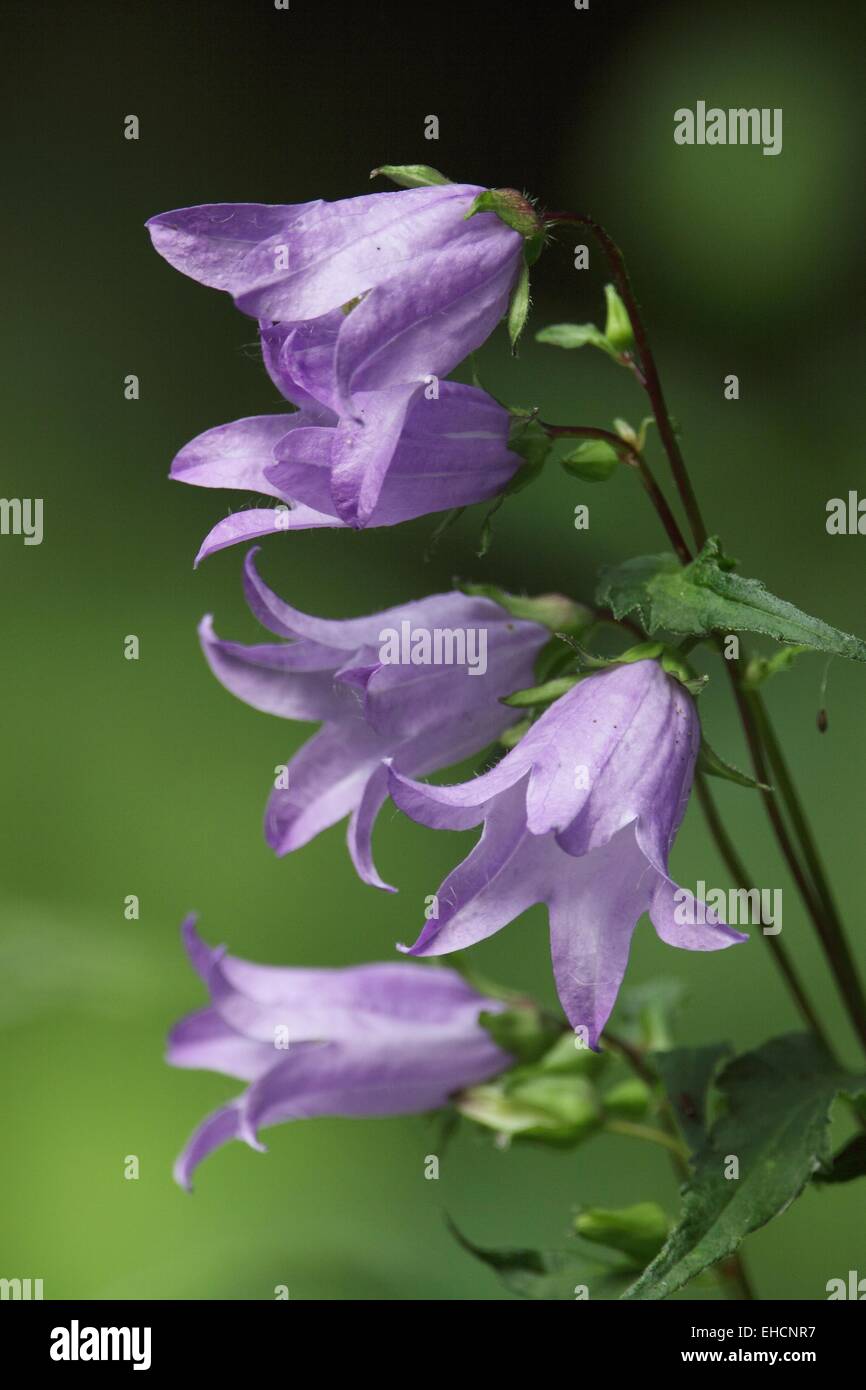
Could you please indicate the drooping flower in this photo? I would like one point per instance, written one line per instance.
(421, 684)
(580, 815)
(451, 451)
(378, 295)
(390, 1039)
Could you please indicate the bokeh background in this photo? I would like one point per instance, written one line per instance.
(145, 777)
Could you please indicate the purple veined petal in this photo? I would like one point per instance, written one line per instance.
(344, 1003)
(350, 635)
(235, 455)
(572, 746)
(326, 778)
(204, 1041)
(710, 936)
(299, 358)
(451, 452)
(302, 467)
(385, 1079)
(290, 682)
(482, 661)
(211, 1134)
(257, 522)
(457, 807)
(426, 323)
(594, 905)
(211, 242)
(337, 251)
(648, 773)
(363, 449)
(664, 806)
(360, 832)
(506, 873)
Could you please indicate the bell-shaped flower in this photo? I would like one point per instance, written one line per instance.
(451, 450)
(580, 815)
(432, 284)
(391, 1039)
(421, 684)
(421, 287)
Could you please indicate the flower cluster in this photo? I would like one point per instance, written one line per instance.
(363, 307)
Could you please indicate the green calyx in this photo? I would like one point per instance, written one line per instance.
(514, 209)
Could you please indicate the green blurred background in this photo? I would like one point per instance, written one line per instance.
(145, 777)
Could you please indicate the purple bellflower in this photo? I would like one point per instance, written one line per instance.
(391, 1039)
(580, 815)
(450, 451)
(420, 684)
(375, 296)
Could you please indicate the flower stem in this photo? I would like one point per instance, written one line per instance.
(653, 1136)
(635, 459)
(755, 720)
(649, 372)
(743, 879)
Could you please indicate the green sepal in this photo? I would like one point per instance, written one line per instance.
(705, 597)
(512, 208)
(638, 1231)
(509, 738)
(617, 328)
(524, 1031)
(518, 308)
(541, 694)
(529, 440)
(712, 765)
(761, 668)
(553, 611)
(410, 175)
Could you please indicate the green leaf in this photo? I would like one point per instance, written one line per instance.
(617, 328)
(593, 461)
(706, 597)
(686, 1074)
(518, 308)
(638, 1231)
(541, 694)
(576, 335)
(555, 1275)
(775, 1124)
(410, 175)
(710, 763)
